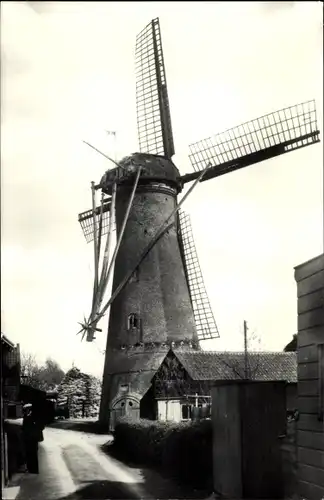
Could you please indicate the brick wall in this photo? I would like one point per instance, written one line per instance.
(159, 296)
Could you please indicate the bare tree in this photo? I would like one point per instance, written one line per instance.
(29, 370)
(247, 366)
(44, 377)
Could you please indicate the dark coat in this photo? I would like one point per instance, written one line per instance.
(32, 429)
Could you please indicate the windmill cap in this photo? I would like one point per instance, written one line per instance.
(155, 168)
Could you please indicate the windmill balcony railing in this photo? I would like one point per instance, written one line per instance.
(184, 344)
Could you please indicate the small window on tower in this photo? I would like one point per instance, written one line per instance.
(133, 321)
(134, 276)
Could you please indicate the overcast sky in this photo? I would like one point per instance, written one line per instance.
(68, 74)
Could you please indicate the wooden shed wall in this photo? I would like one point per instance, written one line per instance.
(310, 433)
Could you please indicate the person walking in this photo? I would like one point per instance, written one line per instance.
(32, 435)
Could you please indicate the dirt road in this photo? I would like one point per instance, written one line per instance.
(73, 467)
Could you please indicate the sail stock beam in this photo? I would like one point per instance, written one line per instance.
(204, 318)
(255, 141)
(152, 102)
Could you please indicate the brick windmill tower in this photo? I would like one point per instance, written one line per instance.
(158, 297)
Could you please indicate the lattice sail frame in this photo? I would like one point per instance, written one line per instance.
(204, 318)
(86, 220)
(291, 128)
(152, 102)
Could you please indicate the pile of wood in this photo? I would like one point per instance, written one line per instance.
(81, 393)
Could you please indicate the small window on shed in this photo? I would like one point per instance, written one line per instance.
(186, 412)
(133, 321)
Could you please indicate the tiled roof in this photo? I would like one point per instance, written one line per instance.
(206, 365)
(6, 341)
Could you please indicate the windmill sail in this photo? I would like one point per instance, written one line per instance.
(86, 220)
(260, 139)
(205, 322)
(152, 102)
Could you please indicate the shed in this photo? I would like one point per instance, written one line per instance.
(310, 347)
(185, 378)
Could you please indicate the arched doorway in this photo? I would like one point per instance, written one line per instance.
(127, 405)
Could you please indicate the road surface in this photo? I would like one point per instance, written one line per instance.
(73, 467)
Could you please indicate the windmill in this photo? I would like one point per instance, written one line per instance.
(158, 296)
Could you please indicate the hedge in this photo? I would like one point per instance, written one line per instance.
(184, 448)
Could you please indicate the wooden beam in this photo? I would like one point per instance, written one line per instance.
(95, 245)
(307, 354)
(309, 268)
(103, 283)
(311, 301)
(308, 319)
(311, 457)
(310, 336)
(310, 284)
(309, 422)
(311, 474)
(307, 388)
(307, 371)
(308, 404)
(310, 439)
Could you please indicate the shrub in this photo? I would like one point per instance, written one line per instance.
(184, 448)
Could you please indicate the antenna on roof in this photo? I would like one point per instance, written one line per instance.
(103, 154)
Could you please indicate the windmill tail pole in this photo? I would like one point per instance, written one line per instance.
(96, 289)
(100, 293)
(103, 154)
(100, 229)
(102, 286)
(113, 258)
(162, 230)
(105, 277)
(95, 286)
